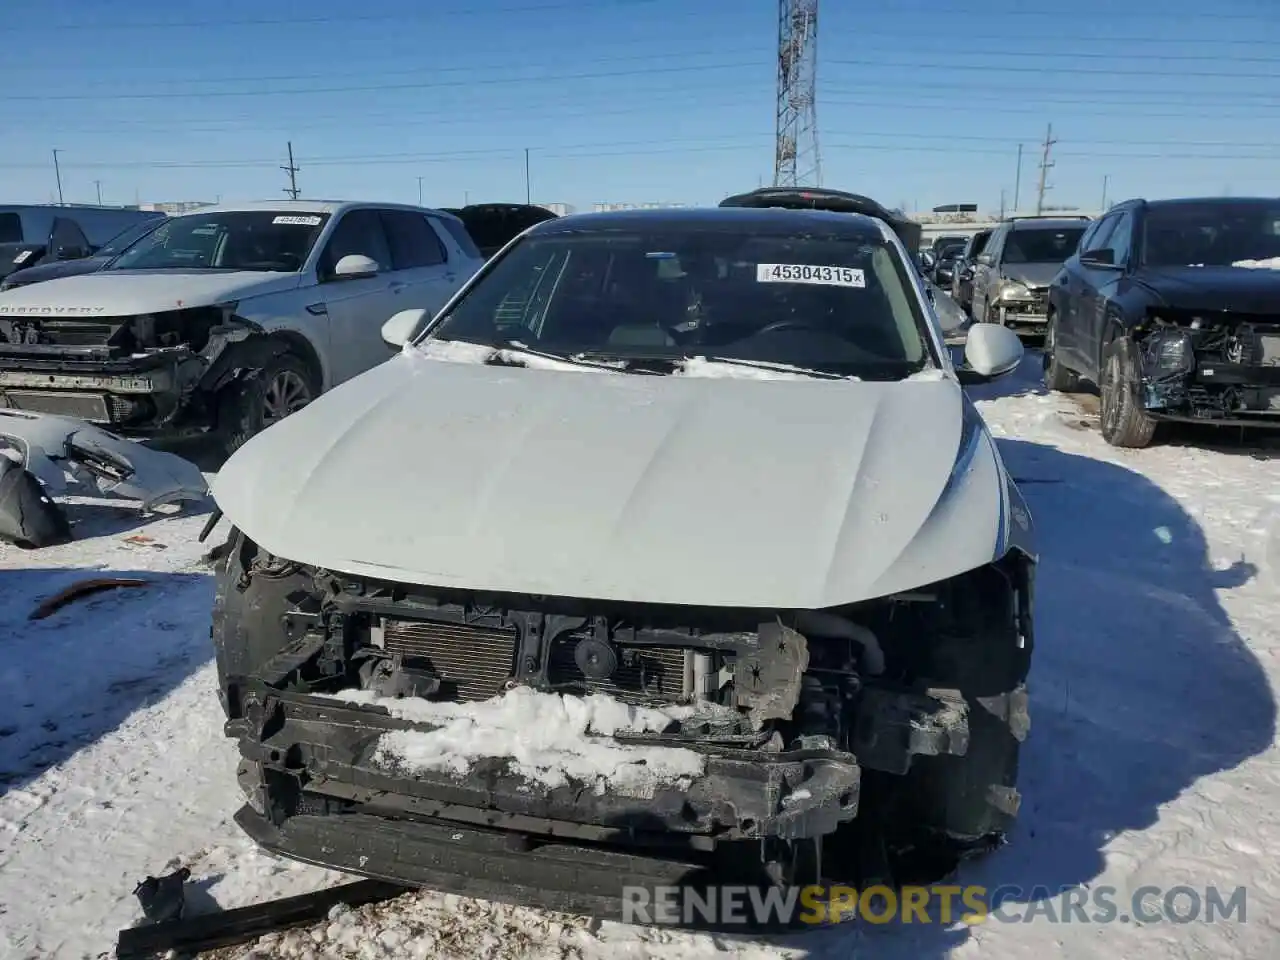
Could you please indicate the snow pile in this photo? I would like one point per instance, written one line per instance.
(428, 926)
(1272, 264)
(931, 375)
(460, 351)
(741, 370)
(548, 738)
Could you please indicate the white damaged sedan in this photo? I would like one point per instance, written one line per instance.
(674, 534)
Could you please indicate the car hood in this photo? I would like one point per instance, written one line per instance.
(676, 490)
(62, 268)
(1216, 289)
(1032, 274)
(120, 292)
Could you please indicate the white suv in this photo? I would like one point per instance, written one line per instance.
(230, 317)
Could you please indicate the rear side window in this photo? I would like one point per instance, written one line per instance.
(413, 242)
(460, 235)
(10, 228)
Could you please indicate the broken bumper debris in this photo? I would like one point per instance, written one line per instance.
(1219, 370)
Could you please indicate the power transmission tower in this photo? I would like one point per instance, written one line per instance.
(797, 161)
(1045, 164)
(292, 170)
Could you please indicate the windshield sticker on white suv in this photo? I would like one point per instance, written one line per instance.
(299, 221)
(810, 273)
(22, 256)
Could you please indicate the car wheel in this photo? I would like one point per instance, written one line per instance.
(1124, 422)
(1056, 376)
(253, 403)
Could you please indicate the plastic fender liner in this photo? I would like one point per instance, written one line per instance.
(27, 516)
(234, 349)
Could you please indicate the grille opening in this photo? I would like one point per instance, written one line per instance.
(473, 662)
(644, 674)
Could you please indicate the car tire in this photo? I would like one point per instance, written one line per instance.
(1124, 423)
(1056, 376)
(254, 402)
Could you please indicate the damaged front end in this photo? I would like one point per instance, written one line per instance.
(142, 374)
(1210, 367)
(359, 705)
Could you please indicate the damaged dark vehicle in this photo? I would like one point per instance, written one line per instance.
(695, 557)
(1172, 309)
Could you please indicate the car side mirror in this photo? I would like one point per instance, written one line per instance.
(1102, 257)
(400, 329)
(355, 266)
(990, 352)
(984, 259)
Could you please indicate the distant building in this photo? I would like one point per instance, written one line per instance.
(559, 209)
(605, 207)
(176, 206)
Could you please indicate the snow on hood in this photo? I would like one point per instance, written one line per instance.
(1272, 264)
(110, 293)
(684, 490)
(461, 351)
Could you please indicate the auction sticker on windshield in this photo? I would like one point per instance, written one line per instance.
(298, 221)
(810, 273)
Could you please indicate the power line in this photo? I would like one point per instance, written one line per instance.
(349, 18)
(601, 149)
(403, 16)
(380, 87)
(1003, 68)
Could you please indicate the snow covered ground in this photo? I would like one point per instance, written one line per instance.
(1151, 759)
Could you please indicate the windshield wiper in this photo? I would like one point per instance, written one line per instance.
(775, 367)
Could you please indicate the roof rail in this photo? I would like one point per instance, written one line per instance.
(1050, 216)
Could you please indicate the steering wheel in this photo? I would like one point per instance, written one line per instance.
(790, 324)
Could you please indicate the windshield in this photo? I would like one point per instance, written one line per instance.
(1042, 245)
(951, 251)
(1214, 235)
(265, 240)
(836, 305)
(128, 236)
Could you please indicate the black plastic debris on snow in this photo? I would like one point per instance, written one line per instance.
(28, 517)
(187, 936)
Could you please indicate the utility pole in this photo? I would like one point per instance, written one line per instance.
(1017, 182)
(1045, 164)
(292, 170)
(419, 191)
(98, 184)
(1105, 178)
(797, 160)
(1002, 204)
(57, 172)
(527, 192)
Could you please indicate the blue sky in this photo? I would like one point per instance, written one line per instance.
(920, 102)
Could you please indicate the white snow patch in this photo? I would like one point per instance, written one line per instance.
(547, 738)
(931, 375)
(742, 370)
(460, 351)
(1271, 264)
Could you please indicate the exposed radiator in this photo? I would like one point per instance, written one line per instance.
(644, 674)
(473, 662)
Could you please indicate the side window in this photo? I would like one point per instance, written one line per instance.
(1118, 241)
(67, 235)
(1097, 239)
(995, 246)
(413, 242)
(359, 231)
(458, 231)
(10, 228)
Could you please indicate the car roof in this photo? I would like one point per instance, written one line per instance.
(1216, 201)
(766, 220)
(304, 206)
(1049, 223)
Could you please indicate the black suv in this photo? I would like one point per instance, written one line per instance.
(1172, 308)
(1011, 276)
